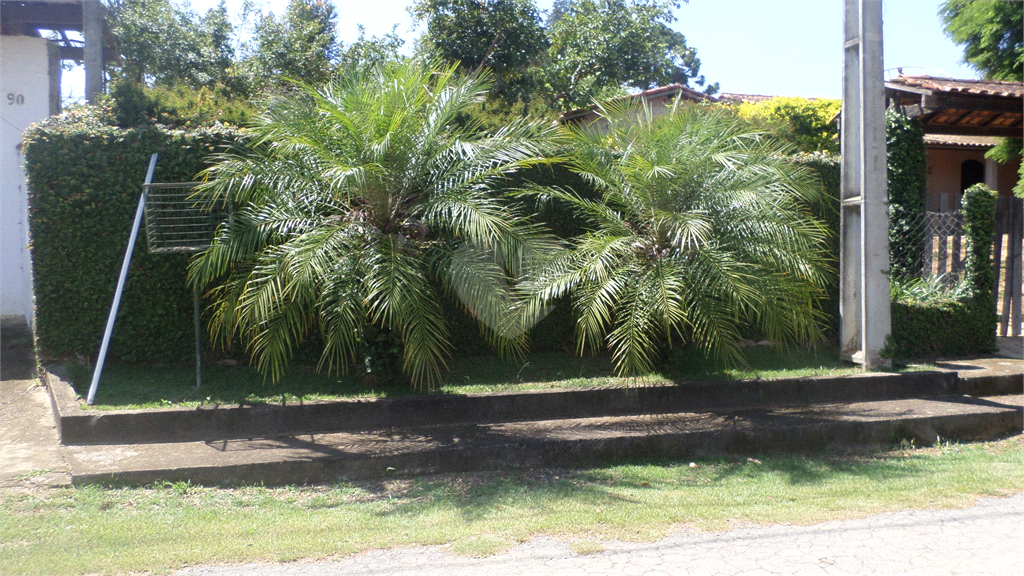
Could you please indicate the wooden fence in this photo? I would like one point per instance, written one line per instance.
(944, 256)
(1007, 256)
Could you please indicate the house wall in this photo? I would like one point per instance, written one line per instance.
(1007, 177)
(944, 176)
(24, 98)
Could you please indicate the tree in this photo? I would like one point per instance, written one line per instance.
(597, 44)
(301, 45)
(702, 228)
(990, 32)
(358, 199)
(369, 53)
(807, 124)
(505, 36)
(165, 45)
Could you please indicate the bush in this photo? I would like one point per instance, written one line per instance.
(979, 207)
(941, 328)
(84, 180)
(134, 105)
(807, 124)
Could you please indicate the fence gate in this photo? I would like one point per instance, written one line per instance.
(1007, 263)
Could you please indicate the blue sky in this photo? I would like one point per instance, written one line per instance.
(774, 47)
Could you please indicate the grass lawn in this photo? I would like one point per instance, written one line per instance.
(144, 386)
(106, 530)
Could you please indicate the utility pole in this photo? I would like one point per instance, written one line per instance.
(92, 31)
(864, 252)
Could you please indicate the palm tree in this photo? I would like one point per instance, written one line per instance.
(353, 204)
(701, 227)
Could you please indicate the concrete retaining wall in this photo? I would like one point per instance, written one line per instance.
(81, 427)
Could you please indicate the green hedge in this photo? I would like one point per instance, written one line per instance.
(84, 179)
(938, 329)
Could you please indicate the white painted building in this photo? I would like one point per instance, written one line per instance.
(24, 98)
(30, 92)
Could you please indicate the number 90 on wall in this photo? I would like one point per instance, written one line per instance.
(15, 99)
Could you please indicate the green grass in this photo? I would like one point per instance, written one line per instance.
(145, 386)
(116, 530)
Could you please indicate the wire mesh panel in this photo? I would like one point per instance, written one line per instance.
(178, 222)
(944, 250)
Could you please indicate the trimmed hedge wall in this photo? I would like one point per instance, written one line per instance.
(84, 180)
(936, 329)
(828, 167)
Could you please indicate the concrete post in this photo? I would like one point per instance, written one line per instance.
(992, 174)
(54, 71)
(864, 251)
(92, 31)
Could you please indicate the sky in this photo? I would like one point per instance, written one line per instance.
(770, 47)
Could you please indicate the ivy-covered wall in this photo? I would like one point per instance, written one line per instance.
(84, 180)
(907, 185)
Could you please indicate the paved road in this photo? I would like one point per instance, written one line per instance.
(987, 539)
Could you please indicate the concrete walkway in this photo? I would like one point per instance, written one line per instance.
(986, 539)
(29, 446)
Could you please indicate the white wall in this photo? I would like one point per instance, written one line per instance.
(24, 99)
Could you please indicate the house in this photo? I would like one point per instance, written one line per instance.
(962, 120)
(35, 37)
(659, 99)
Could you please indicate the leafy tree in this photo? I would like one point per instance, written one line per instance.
(302, 45)
(596, 44)
(505, 36)
(702, 228)
(369, 53)
(807, 124)
(356, 200)
(163, 44)
(991, 33)
(134, 105)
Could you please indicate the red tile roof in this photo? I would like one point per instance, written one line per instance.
(961, 141)
(952, 86)
(669, 91)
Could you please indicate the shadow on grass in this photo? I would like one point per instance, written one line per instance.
(153, 386)
(625, 482)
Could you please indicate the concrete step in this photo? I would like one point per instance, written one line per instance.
(79, 425)
(570, 442)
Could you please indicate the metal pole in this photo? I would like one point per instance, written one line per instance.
(120, 283)
(195, 315)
